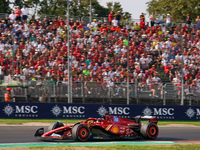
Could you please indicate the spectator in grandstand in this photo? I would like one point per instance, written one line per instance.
(12, 17)
(142, 23)
(25, 13)
(18, 13)
(168, 21)
(115, 22)
(142, 16)
(110, 17)
(118, 16)
(198, 23)
(188, 20)
(152, 18)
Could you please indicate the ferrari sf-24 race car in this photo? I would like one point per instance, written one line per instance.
(108, 128)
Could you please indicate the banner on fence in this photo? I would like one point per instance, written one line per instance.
(83, 111)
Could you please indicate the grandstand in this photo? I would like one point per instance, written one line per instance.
(35, 53)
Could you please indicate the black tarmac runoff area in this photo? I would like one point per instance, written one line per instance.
(25, 134)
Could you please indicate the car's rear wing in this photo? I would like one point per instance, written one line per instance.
(151, 118)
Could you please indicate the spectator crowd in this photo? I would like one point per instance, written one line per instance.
(99, 49)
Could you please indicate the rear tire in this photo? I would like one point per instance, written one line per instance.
(80, 132)
(149, 131)
(55, 125)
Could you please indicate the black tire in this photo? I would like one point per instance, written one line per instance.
(55, 125)
(149, 131)
(80, 132)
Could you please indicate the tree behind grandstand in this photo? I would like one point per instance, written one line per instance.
(59, 7)
(116, 6)
(4, 6)
(178, 9)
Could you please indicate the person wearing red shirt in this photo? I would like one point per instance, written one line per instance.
(61, 22)
(18, 13)
(55, 22)
(110, 17)
(187, 76)
(153, 69)
(167, 68)
(198, 75)
(142, 23)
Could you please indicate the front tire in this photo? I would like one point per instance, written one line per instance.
(55, 125)
(80, 132)
(149, 131)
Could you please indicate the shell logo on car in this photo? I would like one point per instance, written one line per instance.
(115, 129)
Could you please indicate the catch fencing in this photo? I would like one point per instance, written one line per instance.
(113, 93)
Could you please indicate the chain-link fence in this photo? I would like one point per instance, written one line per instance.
(139, 93)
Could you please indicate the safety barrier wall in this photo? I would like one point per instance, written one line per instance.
(83, 111)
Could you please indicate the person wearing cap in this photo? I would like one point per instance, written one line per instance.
(168, 21)
(94, 23)
(142, 16)
(18, 13)
(24, 13)
(188, 20)
(8, 95)
(118, 17)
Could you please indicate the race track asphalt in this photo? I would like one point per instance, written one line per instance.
(25, 134)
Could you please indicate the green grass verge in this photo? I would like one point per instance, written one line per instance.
(21, 121)
(72, 121)
(127, 147)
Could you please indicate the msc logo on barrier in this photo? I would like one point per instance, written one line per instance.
(162, 113)
(191, 113)
(70, 111)
(21, 111)
(122, 111)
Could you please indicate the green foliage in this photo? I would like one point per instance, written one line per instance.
(4, 6)
(116, 6)
(177, 8)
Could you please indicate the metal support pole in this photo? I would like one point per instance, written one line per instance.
(90, 10)
(182, 86)
(13, 38)
(68, 58)
(128, 71)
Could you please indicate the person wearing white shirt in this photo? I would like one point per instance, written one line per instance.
(142, 59)
(59, 30)
(94, 23)
(168, 20)
(24, 13)
(117, 73)
(26, 70)
(41, 46)
(25, 51)
(115, 22)
(124, 50)
(12, 16)
(165, 55)
(1, 45)
(111, 74)
(168, 42)
(34, 43)
(26, 34)
(155, 78)
(106, 63)
(177, 57)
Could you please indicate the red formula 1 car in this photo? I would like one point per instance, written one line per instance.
(110, 127)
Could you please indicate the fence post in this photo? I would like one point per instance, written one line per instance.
(164, 98)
